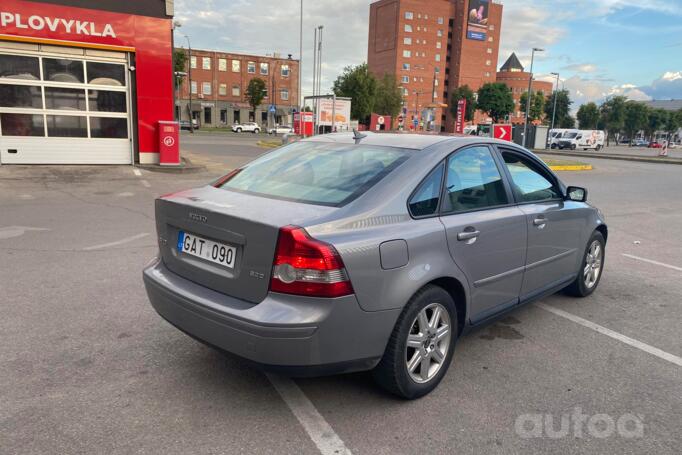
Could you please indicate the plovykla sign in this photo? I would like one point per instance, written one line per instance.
(66, 26)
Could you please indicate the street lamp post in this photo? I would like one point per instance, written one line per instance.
(528, 96)
(556, 95)
(189, 77)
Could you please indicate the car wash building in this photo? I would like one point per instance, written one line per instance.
(84, 82)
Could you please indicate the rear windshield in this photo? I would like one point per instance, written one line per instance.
(317, 172)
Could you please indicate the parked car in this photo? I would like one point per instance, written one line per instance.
(640, 143)
(184, 124)
(350, 251)
(249, 127)
(655, 145)
(281, 129)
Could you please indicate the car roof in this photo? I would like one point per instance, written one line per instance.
(413, 141)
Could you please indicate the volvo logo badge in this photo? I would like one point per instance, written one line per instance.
(197, 217)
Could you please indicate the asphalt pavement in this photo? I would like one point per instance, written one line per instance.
(89, 367)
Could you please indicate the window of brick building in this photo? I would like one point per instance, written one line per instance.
(408, 40)
(235, 90)
(264, 69)
(285, 71)
(222, 64)
(409, 15)
(284, 94)
(251, 68)
(193, 86)
(193, 62)
(222, 89)
(206, 88)
(408, 28)
(236, 66)
(407, 54)
(405, 79)
(206, 63)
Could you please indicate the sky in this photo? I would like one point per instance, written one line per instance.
(600, 48)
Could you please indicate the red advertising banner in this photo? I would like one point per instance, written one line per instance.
(461, 112)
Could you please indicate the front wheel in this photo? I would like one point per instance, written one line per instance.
(573, 147)
(420, 349)
(256, 131)
(591, 267)
(239, 130)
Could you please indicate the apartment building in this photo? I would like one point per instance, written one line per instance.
(218, 85)
(514, 76)
(433, 47)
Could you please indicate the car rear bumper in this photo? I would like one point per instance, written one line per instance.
(290, 334)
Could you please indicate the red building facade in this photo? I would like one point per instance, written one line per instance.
(103, 73)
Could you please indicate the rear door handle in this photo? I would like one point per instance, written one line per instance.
(468, 235)
(540, 222)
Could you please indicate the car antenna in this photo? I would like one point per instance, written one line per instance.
(358, 136)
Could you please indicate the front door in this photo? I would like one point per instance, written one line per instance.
(554, 227)
(486, 233)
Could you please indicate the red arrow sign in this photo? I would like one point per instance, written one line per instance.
(503, 132)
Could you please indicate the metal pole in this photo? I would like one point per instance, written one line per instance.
(319, 71)
(300, 63)
(314, 81)
(530, 87)
(189, 77)
(556, 95)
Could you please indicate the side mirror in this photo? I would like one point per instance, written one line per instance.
(577, 194)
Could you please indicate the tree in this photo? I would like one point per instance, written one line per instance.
(563, 108)
(495, 99)
(588, 116)
(463, 92)
(537, 105)
(389, 96)
(567, 122)
(612, 114)
(255, 92)
(635, 118)
(360, 85)
(179, 62)
(656, 120)
(673, 123)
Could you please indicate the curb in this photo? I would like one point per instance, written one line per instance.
(186, 167)
(268, 144)
(572, 167)
(642, 159)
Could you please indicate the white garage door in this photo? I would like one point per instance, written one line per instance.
(61, 108)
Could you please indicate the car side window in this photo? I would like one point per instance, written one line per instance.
(473, 181)
(529, 182)
(424, 201)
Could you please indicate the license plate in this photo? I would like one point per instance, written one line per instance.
(209, 250)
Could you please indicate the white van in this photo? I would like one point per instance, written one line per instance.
(554, 135)
(582, 139)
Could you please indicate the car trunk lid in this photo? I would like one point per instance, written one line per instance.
(246, 222)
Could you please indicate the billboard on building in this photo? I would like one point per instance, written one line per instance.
(477, 24)
(341, 114)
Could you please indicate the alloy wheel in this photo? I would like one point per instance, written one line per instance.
(593, 263)
(428, 343)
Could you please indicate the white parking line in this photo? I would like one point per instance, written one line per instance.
(615, 335)
(116, 243)
(651, 261)
(137, 172)
(321, 433)
(146, 184)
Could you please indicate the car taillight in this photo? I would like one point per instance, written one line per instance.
(308, 267)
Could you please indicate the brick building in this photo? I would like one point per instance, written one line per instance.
(432, 47)
(219, 82)
(512, 74)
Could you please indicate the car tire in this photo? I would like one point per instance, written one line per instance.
(256, 131)
(585, 285)
(392, 373)
(239, 130)
(598, 147)
(573, 147)
(553, 146)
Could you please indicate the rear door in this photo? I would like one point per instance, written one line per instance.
(486, 233)
(554, 227)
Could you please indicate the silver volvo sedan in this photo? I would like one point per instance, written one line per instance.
(350, 252)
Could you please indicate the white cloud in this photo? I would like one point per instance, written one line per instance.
(581, 68)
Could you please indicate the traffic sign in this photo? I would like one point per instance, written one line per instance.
(381, 120)
(272, 109)
(503, 132)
